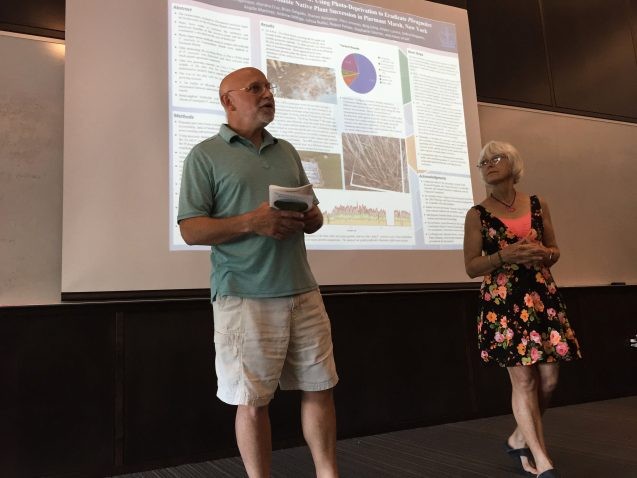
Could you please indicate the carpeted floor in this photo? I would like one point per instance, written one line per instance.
(592, 440)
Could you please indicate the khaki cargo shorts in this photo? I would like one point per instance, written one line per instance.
(264, 342)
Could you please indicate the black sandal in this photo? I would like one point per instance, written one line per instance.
(552, 473)
(516, 453)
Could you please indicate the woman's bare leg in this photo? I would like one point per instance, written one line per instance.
(525, 381)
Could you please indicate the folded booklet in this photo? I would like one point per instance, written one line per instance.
(291, 199)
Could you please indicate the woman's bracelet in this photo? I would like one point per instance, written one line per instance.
(489, 257)
(500, 257)
(551, 254)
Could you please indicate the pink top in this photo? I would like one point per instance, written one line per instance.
(520, 226)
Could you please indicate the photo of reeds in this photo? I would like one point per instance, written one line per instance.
(374, 163)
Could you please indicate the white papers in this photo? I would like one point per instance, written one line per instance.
(291, 199)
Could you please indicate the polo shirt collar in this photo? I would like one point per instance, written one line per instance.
(229, 135)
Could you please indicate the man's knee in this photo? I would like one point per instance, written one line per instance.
(318, 395)
(252, 413)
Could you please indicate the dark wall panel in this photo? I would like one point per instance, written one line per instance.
(56, 395)
(377, 355)
(33, 17)
(592, 55)
(632, 10)
(452, 3)
(170, 408)
(104, 389)
(509, 56)
(609, 364)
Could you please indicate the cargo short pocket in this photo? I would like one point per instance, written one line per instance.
(228, 338)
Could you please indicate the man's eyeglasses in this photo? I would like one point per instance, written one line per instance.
(257, 88)
(492, 161)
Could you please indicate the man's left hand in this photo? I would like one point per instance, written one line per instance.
(312, 219)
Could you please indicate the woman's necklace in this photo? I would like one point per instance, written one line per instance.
(509, 207)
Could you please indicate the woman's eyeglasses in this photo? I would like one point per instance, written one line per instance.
(492, 161)
(257, 88)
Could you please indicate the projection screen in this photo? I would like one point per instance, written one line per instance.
(378, 98)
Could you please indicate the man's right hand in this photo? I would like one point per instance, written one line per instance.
(267, 221)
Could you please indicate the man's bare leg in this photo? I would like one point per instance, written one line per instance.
(254, 438)
(318, 418)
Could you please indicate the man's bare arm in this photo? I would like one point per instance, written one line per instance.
(264, 221)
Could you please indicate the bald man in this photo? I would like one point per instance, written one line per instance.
(271, 328)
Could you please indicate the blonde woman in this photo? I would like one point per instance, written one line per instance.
(522, 322)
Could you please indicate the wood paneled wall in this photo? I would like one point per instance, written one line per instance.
(103, 389)
(560, 55)
(33, 17)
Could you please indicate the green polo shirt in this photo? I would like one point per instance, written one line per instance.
(226, 175)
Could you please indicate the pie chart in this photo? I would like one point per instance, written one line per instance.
(358, 73)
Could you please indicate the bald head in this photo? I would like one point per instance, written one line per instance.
(239, 79)
(247, 98)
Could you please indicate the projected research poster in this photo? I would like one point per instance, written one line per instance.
(377, 118)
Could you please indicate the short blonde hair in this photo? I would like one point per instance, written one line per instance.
(493, 148)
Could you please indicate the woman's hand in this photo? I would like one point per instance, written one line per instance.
(526, 251)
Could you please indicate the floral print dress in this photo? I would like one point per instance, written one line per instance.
(522, 319)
